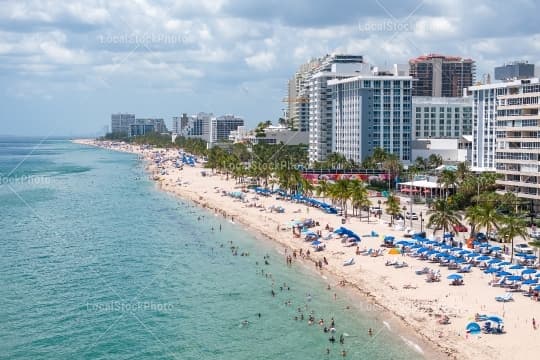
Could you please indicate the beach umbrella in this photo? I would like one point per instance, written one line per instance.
(459, 260)
(490, 271)
(463, 252)
(516, 267)
(503, 273)
(514, 278)
(422, 250)
(394, 251)
(447, 235)
(484, 245)
(403, 242)
(537, 275)
(504, 263)
(530, 257)
(494, 261)
(528, 271)
(473, 328)
(495, 248)
(537, 288)
(316, 242)
(530, 282)
(454, 277)
(483, 258)
(495, 319)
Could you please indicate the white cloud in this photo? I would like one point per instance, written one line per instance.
(263, 61)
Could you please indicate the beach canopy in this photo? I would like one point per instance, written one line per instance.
(528, 271)
(530, 282)
(394, 251)
(516, 267)
(495, 248)
(537, 288)
(490, 271)
(473, 328)
(483, 258)
(454, 277)
(503, 273)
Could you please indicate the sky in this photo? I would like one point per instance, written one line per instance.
(65, 66)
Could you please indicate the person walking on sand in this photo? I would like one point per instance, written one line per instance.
(534, 323)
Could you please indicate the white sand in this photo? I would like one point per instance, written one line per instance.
(418, 308)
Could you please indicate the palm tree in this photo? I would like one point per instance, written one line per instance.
(488, 217)
(473, 216)
(511, 228)
(420, 163)
(393, 166)
(462, 172)
(359, 194)
(447, 179)
(342, 192)
(322, 188)
(392, 207)
(444, 216)
(434, 160)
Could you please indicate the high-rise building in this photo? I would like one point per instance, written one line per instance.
(198, 126)
(179, 123)
(439, 75)
(517, 156)
(484, 116)
(298, 101)
(441, 117)
(371, 111)
(514, 70)
(120, 123)
(221, 127)
(144, 126)
(320, 106)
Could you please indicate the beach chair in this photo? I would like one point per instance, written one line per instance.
(499, 283)
(504, 298)
(465, 268)
(422, 271)
(401, 265)
(368, 253)
(391, 262)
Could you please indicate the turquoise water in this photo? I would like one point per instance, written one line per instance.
(98, 264)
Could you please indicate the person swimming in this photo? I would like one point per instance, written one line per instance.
(341, 339)
(332, 339)
(370, 332)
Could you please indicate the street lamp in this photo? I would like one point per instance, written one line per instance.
(421, 222)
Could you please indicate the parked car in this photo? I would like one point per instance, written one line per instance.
(523, 249)
(375, 210)
(535, 234)
(460, 228)
(409, 215)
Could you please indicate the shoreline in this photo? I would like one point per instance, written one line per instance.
(364, 281)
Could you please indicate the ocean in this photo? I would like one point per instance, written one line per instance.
(97, 263)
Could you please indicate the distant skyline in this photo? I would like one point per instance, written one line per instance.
(66, 66)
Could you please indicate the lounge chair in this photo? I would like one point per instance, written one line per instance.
(400, 265)
(465, 268)
(368, 253)
(499, 283)
(391, 262)
(504, 298)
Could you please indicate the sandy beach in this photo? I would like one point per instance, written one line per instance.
(399, 291)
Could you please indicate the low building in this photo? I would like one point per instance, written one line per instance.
(273, 135)
(450, 150)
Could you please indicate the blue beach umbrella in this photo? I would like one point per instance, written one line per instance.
(490, 271)
(495, 319)
(537, 275)
(530, 282)
(530, 257)
(316, 242)
(528, 271)
(495, 248)
(514, 278)
(503, 273)
(494, 261)
(504, 263)
(516, 267)
(422, 250)
(483, 258)
(454, 277)
(537, 288)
